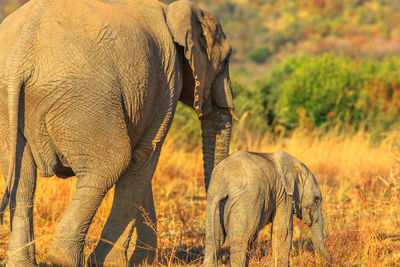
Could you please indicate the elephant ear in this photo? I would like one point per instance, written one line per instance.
(183, 19)
(289, 172)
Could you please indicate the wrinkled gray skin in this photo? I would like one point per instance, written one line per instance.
(89, 88)
(250, 190)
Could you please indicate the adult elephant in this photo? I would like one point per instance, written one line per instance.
(89, 88)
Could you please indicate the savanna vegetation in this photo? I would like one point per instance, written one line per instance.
(319, 79)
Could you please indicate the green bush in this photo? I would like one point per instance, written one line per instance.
(323, 87)
(331, 89)
(269, 87)
(260, 54)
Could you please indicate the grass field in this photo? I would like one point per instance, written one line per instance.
(360, 184)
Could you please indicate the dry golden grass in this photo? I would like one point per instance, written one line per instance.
(360, 184)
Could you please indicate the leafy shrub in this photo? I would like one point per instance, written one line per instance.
(325, 87)
(260, 54)
(270, 87)
(331, 89)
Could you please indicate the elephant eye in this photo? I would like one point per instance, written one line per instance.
(317, 200)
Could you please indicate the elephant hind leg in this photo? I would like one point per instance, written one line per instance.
(98, 166)
(21, 247)
(68, 243)
(215, 232)
(243, 215)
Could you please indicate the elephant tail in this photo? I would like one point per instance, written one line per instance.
(19, 72)
(14, 89)
(214, 224)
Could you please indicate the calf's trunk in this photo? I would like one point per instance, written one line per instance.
(317, 237)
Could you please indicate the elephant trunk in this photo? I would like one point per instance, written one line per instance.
(317, 237)
(216, 133)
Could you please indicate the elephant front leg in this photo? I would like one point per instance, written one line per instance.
(131, 192)
(282, 231)
(21, 247)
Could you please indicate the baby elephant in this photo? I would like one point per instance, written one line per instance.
(249, 190)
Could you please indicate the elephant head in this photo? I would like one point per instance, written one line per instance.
(301, 186)
(205, 51)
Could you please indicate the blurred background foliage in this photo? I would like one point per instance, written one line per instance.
(310, 64)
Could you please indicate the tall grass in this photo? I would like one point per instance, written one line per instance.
(360, 184)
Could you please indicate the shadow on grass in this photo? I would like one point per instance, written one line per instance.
(195, 255)
(185, 255)
(190, 255)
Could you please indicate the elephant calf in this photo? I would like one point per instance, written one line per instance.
(249, 190)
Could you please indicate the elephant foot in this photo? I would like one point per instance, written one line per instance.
(20, 263)
(102, 256)
(210, 264)
(142, 257)
(66, 253)
(22, 256)
(92, 261)
(210, 259)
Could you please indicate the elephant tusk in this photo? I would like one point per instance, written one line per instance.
(232, 112)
